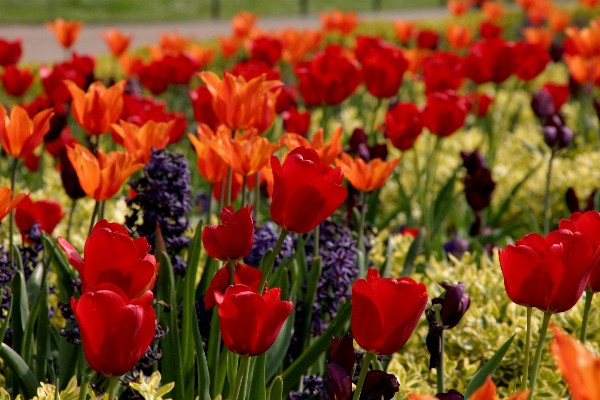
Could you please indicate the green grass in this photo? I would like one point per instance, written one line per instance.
(111, 11)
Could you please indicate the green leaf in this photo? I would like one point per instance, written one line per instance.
(171, 360)
(188, 314)
(34, 283)
(276, 390)
(291, 376)
(27, 345)
(63, 269)
(444, 203)
(25, 377)
(214, 344)
(488, 369)
(21, 308)
(309, 299)
(203, 376)
(207, 274)
(386, 267)
(258, 384)
(416, 247)
(276, 354)
(42, 335)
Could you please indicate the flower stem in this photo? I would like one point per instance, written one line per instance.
(11, 222)
(547, 196)
(112, 387)
(242, 370)
(93, 220)
(83, 387)
(538, 353)
(70, 223)
(361, 232)
(231, 272)
(316, 241)
(268, 267)
(586, 314)
(363, 374)
(527, 350)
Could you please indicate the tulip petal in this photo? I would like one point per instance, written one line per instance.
(367, 319)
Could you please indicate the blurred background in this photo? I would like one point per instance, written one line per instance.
(111, 11)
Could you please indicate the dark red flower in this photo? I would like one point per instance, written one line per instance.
(296, 121)
(455, 304)
(250, 322)
(428, 39)
(286, 99)
(202, 106)
(490, 60)
(243, 275)
(305, 191)
(266, 49)
(588, 224)
(479, 188)
(489, 30)
(115, 330)
(549, 273)
(444, 113)
(364, 44)
(385, 311)
(47, 212)
(530, 60)
(16, 81)
(154, 76)
(379, 384)
(10, 52)
(112, 257)
(80, 69)
(232, 240)
(480, 103)
(69, 178)
(560, 94)
(383, 69)
(403, 125)
(181, 67)
(442, 71)
(251, 69)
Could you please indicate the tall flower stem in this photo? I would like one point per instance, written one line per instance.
(538, 353)
(11, 218)
(268, 267)
(231, 272)
(112, 387)
(257, 198)
(363, 374)
(93, 220)
(316, 241)
(547, 196)
(428, 209)
(242, 370)
(70, 223)
(586, 314)
(527, 350)
(83, 387)
(101, 210)
(362, 200)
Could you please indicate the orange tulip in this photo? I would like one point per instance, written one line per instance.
(579, 367)
(21, 135)
(242, 23)
(296, 44)
(229, 46)
(412, 396)
(101, 177)
(558, 20)
(245, 154)
(586, 40)
(488, 392)
(589, 3)
(539, 11)
(584, 70)
(238, 103)
(210, 164)
(415, 58)
(66, 32)
(7, 204)
(129, 63)
(366, 177)
(116, 41)
(98, 108)
(151, 135)
(458, 7)
(343, 22)
(492, 11)
(173, 43)
(327, 153)
(202, 55)
(541, 36)
(404, 30)
(459, 37)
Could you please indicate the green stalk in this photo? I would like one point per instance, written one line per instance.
(231, 272)
(316, 241)
(363, 374)
(242, 370)
(547, 196)
(101, 210)
(83, 388)
(93, 220)
(112, 387)
(538, 353)
(362, 200)
(257, 198)
(527, 350)
(429, 183)
(269, 265)
(70, 223)
(586, 314)
(11, 222)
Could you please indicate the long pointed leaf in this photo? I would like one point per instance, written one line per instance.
(276, 390)
(444, 203)
(23, 374)
(42, 335)
(257, 386)
(203, 376)
(416, 247)
(309, 299)
(21, 308)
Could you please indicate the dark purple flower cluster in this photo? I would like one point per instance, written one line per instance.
(163, 197)
(313, 388)
(7, 270)
(30, 254)
(71, 331)
(265, 238)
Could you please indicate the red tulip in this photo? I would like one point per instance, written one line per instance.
(588, 224)
(403, 125)
(16, 81)
(252, 68)
(115, 330)
(250, 322)
(364, 45)
(444, 113)
(232, 240)
(490, 60)
(295, 121)
(489, 30)
(267, 49)
(112, 257)
(306, 191)
(202, 106)
(243, 275)
(383, 69)
(480, 103)
(385, 311)
(428, 39)
(442, 71)
(10, 52)
(47, 212)
(287, 98)
(548, 273)
(530, 60)
(560, 94)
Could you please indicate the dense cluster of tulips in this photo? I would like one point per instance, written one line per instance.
(280, 296)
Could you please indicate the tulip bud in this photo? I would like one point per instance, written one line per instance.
(457, 246)
(379, 384)
(342, 352)
(556, 51)
(479, 188)
(450, 395)
(556, 134)
(339, 382)
(69, 177)
(434, 341)
(455, 304)
(542, 104)
(473, 161)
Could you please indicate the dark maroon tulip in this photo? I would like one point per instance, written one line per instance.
(455, 304)
(379, 384)
(473, 161)
(450, 395)
(479, 188)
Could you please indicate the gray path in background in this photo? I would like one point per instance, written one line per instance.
(39, 44)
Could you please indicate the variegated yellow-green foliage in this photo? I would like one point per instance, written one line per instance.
(149, 387)
(489, 322)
